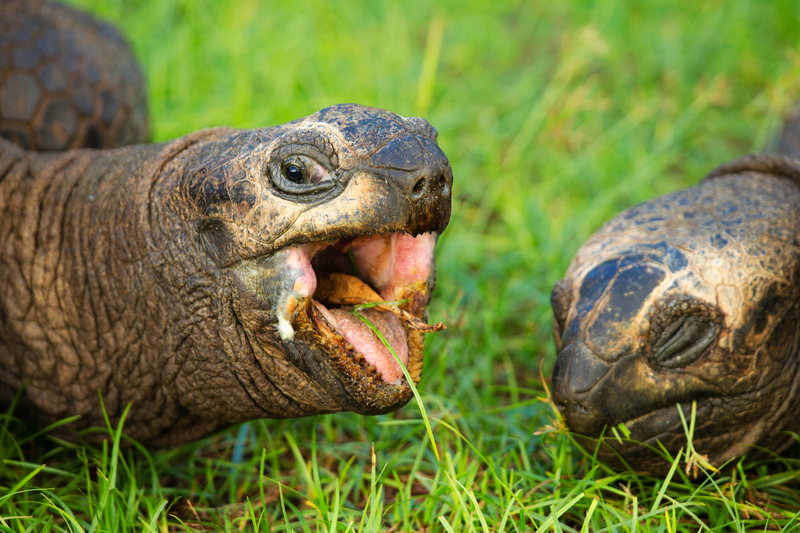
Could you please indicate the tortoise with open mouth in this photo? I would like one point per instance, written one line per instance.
(690, 298)
(210, 279)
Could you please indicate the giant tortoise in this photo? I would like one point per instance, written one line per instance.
(206, 280)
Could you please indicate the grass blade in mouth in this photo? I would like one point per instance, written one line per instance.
(410, 381)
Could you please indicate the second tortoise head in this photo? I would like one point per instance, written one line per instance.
(690, 297)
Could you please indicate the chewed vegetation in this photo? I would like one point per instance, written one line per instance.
(555, 116)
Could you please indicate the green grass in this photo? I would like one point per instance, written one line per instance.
(555, 115)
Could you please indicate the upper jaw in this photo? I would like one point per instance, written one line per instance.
(349, 214)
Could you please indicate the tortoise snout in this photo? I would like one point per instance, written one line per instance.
(420, 171)
(576, 373)
(433, 182)
(417, 166)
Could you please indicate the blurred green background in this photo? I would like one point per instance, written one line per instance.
(556, 115)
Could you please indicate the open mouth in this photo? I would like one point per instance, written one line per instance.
(393, 272)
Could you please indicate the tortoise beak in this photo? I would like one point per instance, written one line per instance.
(576, 372)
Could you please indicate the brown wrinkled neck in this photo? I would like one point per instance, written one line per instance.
(79, 255)
(68, 218)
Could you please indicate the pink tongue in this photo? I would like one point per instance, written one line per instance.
(368, 344)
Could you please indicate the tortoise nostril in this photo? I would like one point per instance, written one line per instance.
(419, 187)
(444, 186)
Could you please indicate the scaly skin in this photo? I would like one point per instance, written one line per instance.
(690, 297)
(177, 277)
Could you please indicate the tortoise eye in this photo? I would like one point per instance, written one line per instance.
(301, 174)
(681, 330)
(683, 341)
(293, 170)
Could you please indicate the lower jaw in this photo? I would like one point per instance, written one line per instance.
(342, 367)
(648, 436)
(666, 421)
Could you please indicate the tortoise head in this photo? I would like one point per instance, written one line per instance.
(690, 297)
(351, 198)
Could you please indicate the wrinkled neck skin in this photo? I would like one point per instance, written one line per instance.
(71, 331)
(691, 297)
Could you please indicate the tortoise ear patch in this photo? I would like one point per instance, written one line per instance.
(215, 238)
(208, 190)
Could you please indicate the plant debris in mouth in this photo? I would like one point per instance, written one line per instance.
(391, 271)
(345, 290)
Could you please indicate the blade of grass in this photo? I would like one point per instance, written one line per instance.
(430, 62)
(667, 480)
(587, 519)
(16, 488)
(507, 512)
(410, 381)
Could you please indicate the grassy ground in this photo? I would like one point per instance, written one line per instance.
(555, 115)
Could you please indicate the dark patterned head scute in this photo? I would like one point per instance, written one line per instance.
(623, 300)
(402, 153)
(691, 297)
(67, 80)
(366, 130)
